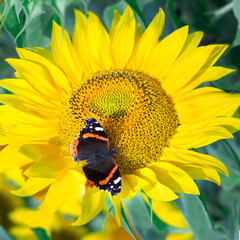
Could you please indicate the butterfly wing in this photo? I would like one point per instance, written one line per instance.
(105, 175)
(91, 141)
(92, 145)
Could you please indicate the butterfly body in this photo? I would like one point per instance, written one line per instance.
(92, 146)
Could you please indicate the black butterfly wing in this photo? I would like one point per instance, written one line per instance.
(105, 175)
(90, 148)
(91, 141)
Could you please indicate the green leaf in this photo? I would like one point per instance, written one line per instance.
(160, 225)
(32, 10)
(149, 205)
(4, 235)
(19, 16)
(125, 223)
(137, 216)
(18, 8)
(13, 26)
(196, 215)
(40, 233)
(236, 10)
(219, 13)
(174, 14)
(227, 152)
(124, 220)
(236, 41)
(231, 224)
(8, 4)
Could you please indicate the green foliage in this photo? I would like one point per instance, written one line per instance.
(196, 215)
(213, 215)
(124, 220)
(4, 234)
(236, 10)
(40, 233)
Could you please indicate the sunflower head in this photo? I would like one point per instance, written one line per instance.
(137, 114)
(143, 92)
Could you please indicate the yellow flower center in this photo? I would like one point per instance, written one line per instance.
(135, 112)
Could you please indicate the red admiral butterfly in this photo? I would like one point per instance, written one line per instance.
(101, 169)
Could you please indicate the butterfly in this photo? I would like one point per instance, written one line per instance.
(92, 146)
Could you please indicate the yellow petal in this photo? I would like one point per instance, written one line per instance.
(65, 55)
(185, 68)
(22, 88)
(192, 41)
(57, 76)
(215, 129)
(32, 186)
(169, 213)
(205, 75)
(49, 167)
(201, 174)
(79, 42)
(98, 44)
(180, 236)
(148, 41)
(42, 79)
(22, 231)
(152, 187)
(3, 138)
(199, 137)
(174, 178)
(11, 116)
(138, 34)
(146, 175)
(130, 186)
(27, 106)
(165, 53)
(32, 218)
(59, 193)
(45, 53)
(116, 18)
(10, 158)
(36, 151)
(160, 192)
(230, 123)
(122, 39)
(91, 204)
(215, 55)
(204, 103)
(195, 159)
(16, 175)
(31, 132)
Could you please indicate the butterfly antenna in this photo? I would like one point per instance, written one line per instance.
(120, 142)
(124, 158)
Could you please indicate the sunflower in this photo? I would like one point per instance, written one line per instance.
(142, 90)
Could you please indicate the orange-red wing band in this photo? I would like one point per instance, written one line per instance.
(106, 180)
(90, 183)
(73, 148)
(87, 135)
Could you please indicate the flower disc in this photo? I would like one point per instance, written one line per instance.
(136, 113)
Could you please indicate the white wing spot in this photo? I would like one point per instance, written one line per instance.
(98, 128)
(117, 180)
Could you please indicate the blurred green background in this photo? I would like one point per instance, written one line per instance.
(29, 23)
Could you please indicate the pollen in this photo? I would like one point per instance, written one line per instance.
(134, 110)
